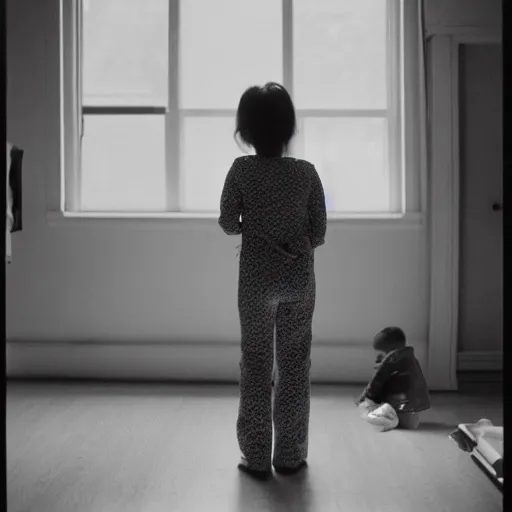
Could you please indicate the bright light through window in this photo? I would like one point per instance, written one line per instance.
(161, 81)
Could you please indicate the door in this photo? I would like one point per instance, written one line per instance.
(481, 237)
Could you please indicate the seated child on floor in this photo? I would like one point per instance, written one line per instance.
(397, 391)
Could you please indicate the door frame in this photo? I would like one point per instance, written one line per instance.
(444, 170)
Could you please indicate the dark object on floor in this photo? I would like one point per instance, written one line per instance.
(463, 441)
(291, 471)
(15, 182)
(482, 453)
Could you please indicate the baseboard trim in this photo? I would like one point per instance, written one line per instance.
(480, 361)
(200, 362)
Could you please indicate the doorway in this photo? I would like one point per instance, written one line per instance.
(480, 318)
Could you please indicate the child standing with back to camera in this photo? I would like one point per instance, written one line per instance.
(277, 204)
(397, 392)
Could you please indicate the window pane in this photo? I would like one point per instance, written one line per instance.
(339, 54)
(208, 152)
(125, 52)
(123, 163)
(225, 47)
(351, 158)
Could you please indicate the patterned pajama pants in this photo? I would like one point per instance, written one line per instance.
(277, 294)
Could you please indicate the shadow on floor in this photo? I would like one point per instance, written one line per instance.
(431, 426)
(278, 494)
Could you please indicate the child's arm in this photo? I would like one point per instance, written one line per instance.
(231, 205)
(317, 211)
(380, 377)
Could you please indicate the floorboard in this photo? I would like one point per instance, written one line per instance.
(172, 448)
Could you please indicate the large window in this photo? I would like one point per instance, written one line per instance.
(159, 82)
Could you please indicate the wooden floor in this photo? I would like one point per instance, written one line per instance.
(172, 448)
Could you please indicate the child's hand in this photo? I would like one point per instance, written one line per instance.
(367, 403)
(358, 401)
(378, 361)
(366, 407)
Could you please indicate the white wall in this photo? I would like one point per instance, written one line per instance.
(115, 284)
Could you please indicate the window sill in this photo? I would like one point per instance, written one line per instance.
(188, 220)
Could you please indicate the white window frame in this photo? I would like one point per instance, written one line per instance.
(407, 182)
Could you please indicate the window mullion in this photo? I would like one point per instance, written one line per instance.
(120, 110)
(80, 97)
(208, 112)
(287, 27)
(355, 113)
(80, 75)
(288, 45)
(71, 124)
(393, 87)
(172, 118)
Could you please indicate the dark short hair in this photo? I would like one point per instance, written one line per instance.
(390, 338)
(266, 119)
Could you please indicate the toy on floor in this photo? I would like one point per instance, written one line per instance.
(398, 391)
(484, 441)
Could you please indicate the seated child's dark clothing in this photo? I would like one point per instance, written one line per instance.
(399, 381)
